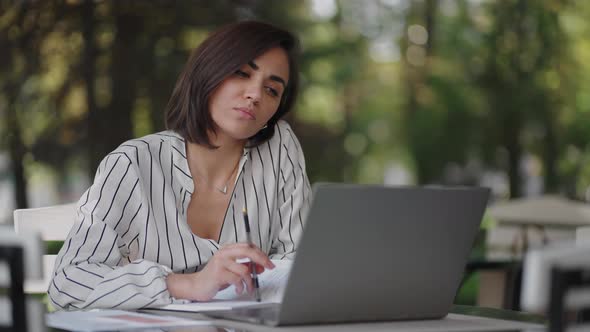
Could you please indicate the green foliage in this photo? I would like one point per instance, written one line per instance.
(432, 86)
(467, 294)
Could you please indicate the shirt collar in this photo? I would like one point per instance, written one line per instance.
(181, 170)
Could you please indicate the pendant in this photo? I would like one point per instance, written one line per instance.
(223, 190)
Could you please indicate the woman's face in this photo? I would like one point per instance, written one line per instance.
(244, 102)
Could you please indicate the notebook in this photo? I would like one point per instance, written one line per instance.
(375, 253)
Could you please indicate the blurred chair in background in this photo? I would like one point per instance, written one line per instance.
(529, 223)
(583, 238)
(556, 281)
(53, 224)
(20, 260)
(523, 224)
(583, 235)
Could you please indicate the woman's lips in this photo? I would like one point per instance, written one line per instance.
(247, 112)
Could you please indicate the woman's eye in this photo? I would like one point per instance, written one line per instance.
(272, 91)
(242, 74)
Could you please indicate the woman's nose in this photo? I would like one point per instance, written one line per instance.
(253, 92)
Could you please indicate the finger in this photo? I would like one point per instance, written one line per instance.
(243, 271)
(253, 253)
(260, 258)
(259, 268)
(236, 280)
(249, 282)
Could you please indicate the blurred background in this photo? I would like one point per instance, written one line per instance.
(453, 92)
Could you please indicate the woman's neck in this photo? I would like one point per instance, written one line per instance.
(215, 164)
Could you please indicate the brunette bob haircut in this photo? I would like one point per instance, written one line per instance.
(216, 58)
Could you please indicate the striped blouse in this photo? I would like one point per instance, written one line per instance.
(131, 228)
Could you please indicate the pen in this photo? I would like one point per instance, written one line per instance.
(252, 265)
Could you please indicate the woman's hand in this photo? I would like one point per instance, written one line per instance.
(221, 271)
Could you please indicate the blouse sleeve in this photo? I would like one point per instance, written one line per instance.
(93, 269)
(294, 195)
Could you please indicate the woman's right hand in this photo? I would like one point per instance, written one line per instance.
(221, 271)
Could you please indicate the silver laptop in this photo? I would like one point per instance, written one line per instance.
(374, 253)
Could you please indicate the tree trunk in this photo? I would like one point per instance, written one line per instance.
(515, 116)
(415, 77)
(429, 18)
(550, 154)
(17, 151)
(15, 143)
(514, 156)
(114, 122)
(93, 128)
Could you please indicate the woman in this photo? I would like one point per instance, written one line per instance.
(162, 222)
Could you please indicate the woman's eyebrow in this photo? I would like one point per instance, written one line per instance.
(253, 65)
(272, 77)
(278, 79)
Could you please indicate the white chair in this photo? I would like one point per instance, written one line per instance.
(53, 224)
(583, 235)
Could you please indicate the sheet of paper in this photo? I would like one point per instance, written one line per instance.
(208, 306)
(110, 320)
(272, 286)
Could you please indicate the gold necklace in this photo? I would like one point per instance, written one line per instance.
(223, 189)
